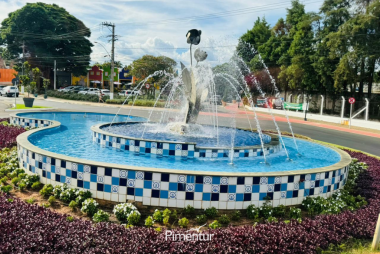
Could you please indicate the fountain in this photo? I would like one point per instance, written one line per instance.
(182, 155)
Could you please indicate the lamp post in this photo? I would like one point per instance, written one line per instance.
(112, 71)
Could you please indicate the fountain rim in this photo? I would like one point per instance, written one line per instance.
(22, 140)
(97, 128)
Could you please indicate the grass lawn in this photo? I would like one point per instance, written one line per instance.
(22, 106)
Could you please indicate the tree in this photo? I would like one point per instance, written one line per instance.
(48, 33)
(253, 39)
(147, 65)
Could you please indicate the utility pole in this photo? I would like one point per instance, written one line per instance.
(112, 56)
(55, 74)
(23, 56)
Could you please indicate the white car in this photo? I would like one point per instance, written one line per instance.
(10, 91)
(105, 92)
(90, 91)
(67, 89)
(129, 92)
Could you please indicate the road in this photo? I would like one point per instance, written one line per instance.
(365, 140)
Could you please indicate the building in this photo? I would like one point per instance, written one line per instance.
(95, 76)
(107, 75)
(124, 79)
(6, 76)
(79, 81)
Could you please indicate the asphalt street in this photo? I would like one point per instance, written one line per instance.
(226, 118)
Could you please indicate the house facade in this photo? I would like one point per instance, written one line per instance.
(95, 76)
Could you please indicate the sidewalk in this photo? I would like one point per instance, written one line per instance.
(374, 125)
(371, 130)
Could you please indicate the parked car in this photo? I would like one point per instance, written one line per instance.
(216, 99)
(128, 92)
(90, 91)
(105, 92)
(77, 89)
(66, 89)
(10, 91)
(1, 87)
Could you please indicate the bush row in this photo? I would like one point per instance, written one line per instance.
(8, 133)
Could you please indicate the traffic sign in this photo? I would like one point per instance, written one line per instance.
(351, 100)
(147, 86)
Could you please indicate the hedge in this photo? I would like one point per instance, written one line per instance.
(30, 228)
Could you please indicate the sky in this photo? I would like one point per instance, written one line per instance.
(159, 27)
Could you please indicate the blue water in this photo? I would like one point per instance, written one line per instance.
(203, 136)
(74, 138)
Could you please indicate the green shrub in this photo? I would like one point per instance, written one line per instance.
(236, 216)
(183, 222)
(6, 188)
(166, 212)
(100, 216)
(201, 219)
(122, 211)
(4, 180)
(272, 219)
(189, 211)
(45, 205)
(22, 186)
(157, 216)
(211, 212)
(82, 196)
(149, 222)
(134, 217)
(15, 181)
(295, 213)
(214, 225)
(30, 201)
(36, 186)
(10, 200)
(166, 220)
(146, 103)
(90, 207)
(252, 212)
(51, 200)
(174, 215)
(280, 211)
(73, 205)
(158, 230)
(67, 195)
(224, 219)
(47, 190)
(70, 218)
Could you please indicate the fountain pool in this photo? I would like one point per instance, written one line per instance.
(63, 150)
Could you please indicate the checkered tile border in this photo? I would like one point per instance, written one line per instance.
(32, 123)
(187, 151)
(180, 190)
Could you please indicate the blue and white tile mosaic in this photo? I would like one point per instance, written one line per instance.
(177, 190)
(185, 151)
(31, 123)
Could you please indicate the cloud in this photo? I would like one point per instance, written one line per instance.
(159, 27)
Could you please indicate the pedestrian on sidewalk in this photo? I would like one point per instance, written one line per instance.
(101, 97)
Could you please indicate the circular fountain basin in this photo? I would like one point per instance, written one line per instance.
(200, 142)
(62, 151)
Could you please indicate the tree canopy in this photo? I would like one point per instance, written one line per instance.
(47, 32)
(148, 64)
(331, 52)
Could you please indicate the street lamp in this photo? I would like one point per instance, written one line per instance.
(307, 106)
(112, 69)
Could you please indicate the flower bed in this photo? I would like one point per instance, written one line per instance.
(8, 133)
(25, 228)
